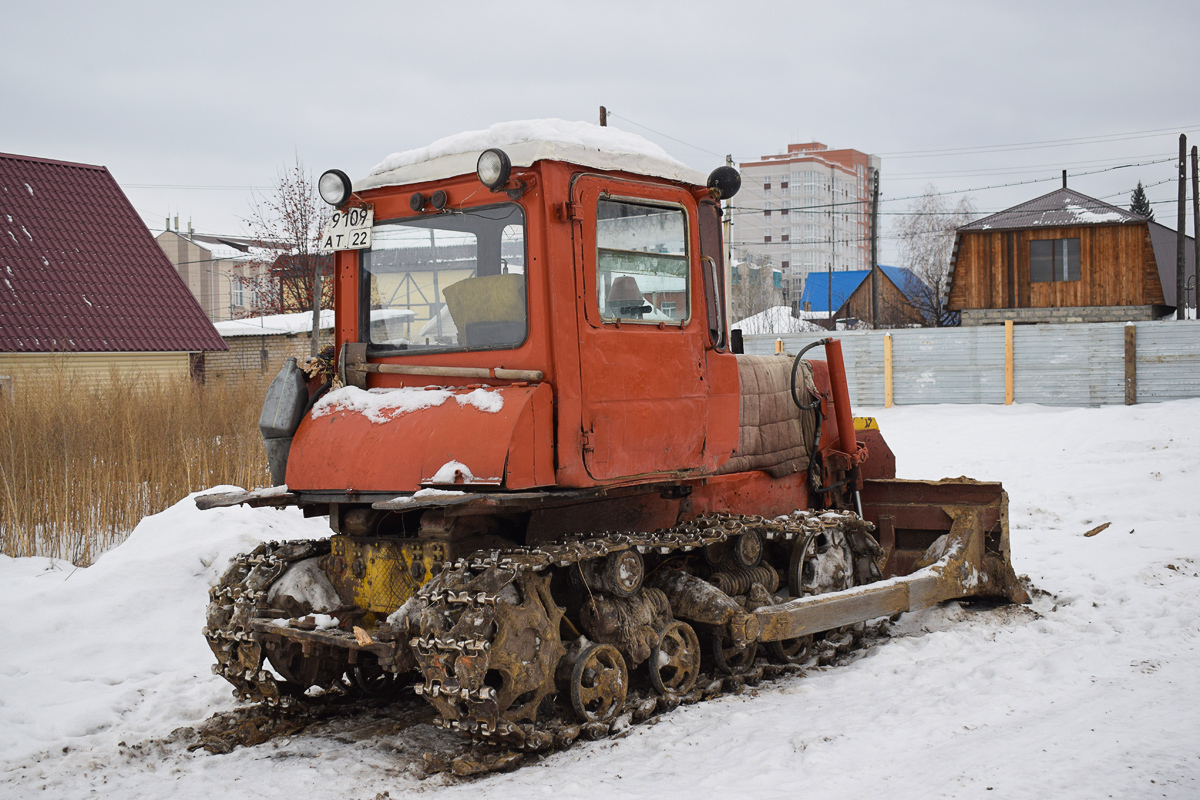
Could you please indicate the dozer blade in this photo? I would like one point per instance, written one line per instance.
(942, 540)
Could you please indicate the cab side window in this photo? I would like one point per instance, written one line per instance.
(641, 262)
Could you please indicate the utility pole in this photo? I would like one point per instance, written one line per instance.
(832, 247)
(728, 251)
(1180, 235)
(1196, 231)
(875, 249)
(603, 117)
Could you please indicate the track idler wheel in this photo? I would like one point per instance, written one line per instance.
(791, 651)
(821, 562)
(675, 660)
(599, 683)
(731, 659)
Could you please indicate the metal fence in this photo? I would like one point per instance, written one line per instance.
(1079, 364)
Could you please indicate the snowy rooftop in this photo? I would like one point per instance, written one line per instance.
(1061, 208)
(282, 324)
(527, 142)
(777, 319)
(273, 324)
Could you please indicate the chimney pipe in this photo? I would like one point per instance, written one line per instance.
(1064, 179)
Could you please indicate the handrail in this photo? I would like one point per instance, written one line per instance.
(449, 372)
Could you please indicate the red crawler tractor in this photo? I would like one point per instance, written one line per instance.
(552, 482)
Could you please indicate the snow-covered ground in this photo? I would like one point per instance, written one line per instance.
(1088, 693)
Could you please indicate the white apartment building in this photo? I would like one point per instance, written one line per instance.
(807, 209)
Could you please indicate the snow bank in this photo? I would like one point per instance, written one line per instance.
(114, 651)
(776, 319)
(1087, 693)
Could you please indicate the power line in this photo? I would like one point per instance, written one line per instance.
(965, 173)
(998, 148)
(1035, 180)
(192, 186)
(672, 138)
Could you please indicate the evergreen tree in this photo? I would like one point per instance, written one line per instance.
(1140, 204)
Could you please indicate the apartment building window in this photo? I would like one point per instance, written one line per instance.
(767, 239)
(767, 185)
(766, 212)
(785, 264)
(1052, 260)
(783, 237)
(783, 184)
(783, 212)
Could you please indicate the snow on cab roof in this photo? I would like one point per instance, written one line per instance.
(527, 142)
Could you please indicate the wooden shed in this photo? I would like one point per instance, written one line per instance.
(899, 291)
(1063, 257)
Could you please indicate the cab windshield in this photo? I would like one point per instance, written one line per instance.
(453, 281)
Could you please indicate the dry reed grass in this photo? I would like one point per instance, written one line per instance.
(82, 462)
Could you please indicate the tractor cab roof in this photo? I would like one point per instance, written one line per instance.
(527, 142)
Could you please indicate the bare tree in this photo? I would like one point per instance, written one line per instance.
(287, 223)
(926, 234)
(753, 289)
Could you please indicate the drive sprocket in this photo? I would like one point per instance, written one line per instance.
(487, 645)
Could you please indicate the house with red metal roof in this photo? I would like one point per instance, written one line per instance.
(83, 284)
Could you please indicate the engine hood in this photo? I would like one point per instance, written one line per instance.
(402, 440)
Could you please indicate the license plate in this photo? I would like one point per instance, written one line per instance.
(348, 230)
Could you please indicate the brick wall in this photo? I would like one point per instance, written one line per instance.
(250, 357)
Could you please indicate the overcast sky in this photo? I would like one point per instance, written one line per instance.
(190, 105)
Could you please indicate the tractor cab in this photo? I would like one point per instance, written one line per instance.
(545, 311)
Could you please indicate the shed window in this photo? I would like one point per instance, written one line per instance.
(1053, 260)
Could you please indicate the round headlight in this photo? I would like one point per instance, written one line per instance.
(493, 168)
(334, 187)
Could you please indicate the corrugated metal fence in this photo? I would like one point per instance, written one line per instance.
(1081, 364)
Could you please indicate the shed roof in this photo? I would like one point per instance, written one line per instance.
(79, 272)
(1059, 209)
(816, 286)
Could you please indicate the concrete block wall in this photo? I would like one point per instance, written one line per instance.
(997, 316)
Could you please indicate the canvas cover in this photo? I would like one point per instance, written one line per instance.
(773, 435)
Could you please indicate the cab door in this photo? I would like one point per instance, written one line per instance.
(642, 332)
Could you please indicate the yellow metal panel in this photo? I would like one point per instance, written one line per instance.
(865, 424)
(381, 574)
